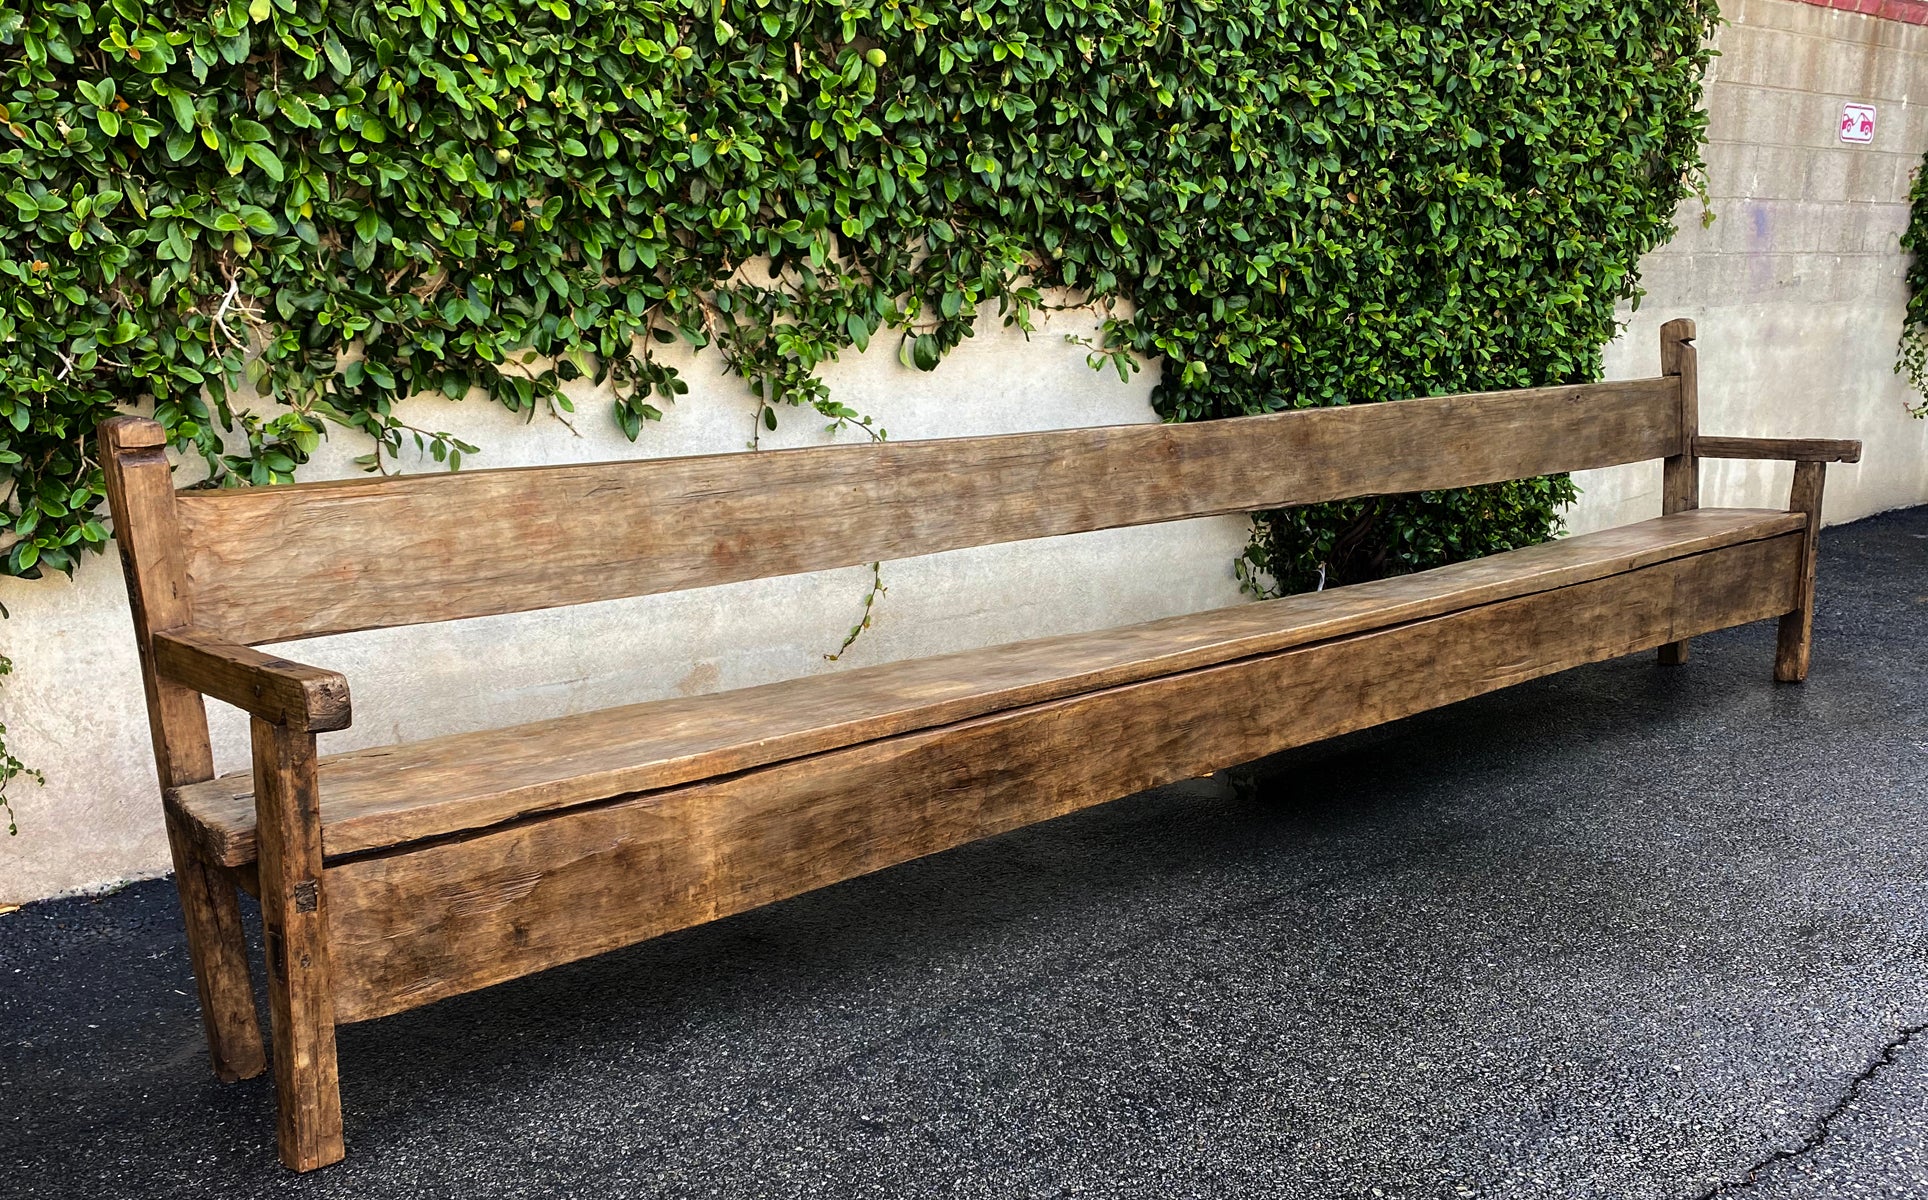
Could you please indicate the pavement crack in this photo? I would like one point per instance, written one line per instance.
(1824, 1127)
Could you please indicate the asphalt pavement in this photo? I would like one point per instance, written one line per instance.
(1629, 931)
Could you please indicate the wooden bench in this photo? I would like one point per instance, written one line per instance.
(394, 877)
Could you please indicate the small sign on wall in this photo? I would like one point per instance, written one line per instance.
(1857, 122)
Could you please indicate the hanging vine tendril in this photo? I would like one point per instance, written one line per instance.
(1912, 356)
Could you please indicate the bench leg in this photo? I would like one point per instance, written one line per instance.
(300, 985)
(1797, 627)
(1680, 473)
(215, 947)
(1791, 651)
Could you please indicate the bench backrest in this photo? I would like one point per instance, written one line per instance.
(280, 563)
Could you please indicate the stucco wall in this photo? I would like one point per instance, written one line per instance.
(1797, 289)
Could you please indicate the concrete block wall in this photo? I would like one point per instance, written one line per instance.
(1796, 287)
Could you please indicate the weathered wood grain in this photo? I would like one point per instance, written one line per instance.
(265, 685)
(275, 564)
(217, 952)
(413, 927)
(140, 497)
(1844, 450)
(294, 915)
(388, 795)
(141, 500)
(1796, 636)
(1680, 471)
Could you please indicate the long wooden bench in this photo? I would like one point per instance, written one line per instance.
(394, 877)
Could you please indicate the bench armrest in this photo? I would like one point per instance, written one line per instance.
(1784, 449)
(271, 688)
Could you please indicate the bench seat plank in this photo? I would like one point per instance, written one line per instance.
(387, 796)
(447, 917)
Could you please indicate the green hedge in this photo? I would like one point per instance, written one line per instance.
(1913, 359)
(1304, 203)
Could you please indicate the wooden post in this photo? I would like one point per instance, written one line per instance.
(294, 924)
(1797, 627)
(140, 494)
(1680, 472)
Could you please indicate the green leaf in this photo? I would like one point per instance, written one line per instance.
(266, 159)
(337, 54)
(924, 352)
(183, 106)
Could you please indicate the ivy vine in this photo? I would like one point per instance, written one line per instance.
(1912, 357)
(11, 768)
(347, 202)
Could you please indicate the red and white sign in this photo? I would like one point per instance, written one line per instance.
(1857, 122)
